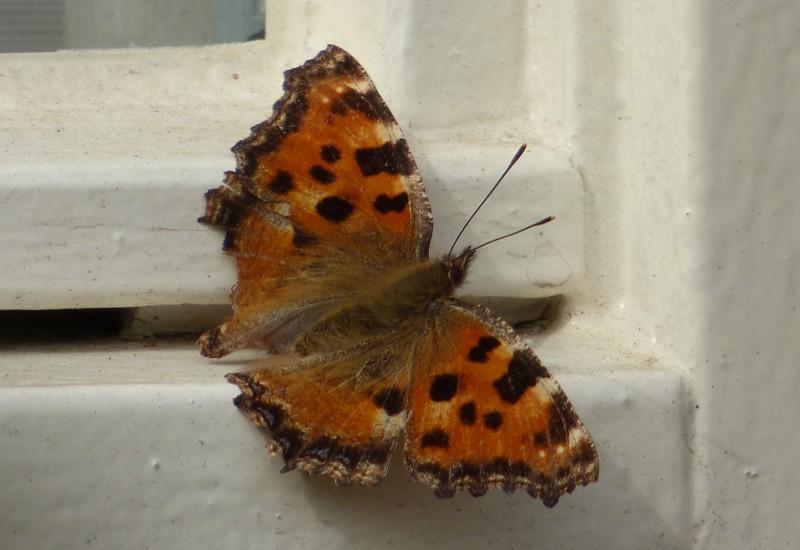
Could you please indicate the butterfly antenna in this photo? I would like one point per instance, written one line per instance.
(548, 219)
(514, 160)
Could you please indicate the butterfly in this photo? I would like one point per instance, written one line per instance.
(329, 224)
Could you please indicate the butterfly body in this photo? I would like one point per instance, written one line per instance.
(330, 227)
(403, 293)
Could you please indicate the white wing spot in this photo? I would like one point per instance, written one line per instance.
(362, 85)
(576, 435)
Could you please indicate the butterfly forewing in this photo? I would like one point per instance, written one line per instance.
(326, 195)
(335, 155)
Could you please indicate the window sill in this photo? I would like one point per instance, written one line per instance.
(156, 423)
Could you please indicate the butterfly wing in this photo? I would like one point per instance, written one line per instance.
(325, 196)
(485, 413)
(339, 415)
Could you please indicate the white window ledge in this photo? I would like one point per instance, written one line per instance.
(158, 440)
(111, 234)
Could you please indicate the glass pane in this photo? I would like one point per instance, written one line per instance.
(47, 25)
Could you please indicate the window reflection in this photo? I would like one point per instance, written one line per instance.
(48, 25)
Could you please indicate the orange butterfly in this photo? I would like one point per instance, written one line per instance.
(329, 223)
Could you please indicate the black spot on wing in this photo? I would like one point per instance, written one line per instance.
(444, 387)
(301, 238)
(479, 353)
(330, 153)
(435, 438)
(390, 400)
(282, 183)
(523, 372)
(334, 209)
(321, 175)
(392, 158)
(385, 204)
(468, 413)
(493, 420)
(368, 103)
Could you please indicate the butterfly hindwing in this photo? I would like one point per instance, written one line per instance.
(339, 415)
(485, 413)
(325, 193)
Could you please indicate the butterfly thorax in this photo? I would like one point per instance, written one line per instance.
(386, 304)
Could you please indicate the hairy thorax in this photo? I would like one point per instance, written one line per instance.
(382, 306)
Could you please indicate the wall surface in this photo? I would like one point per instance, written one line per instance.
(748, 273)
(663, 136)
